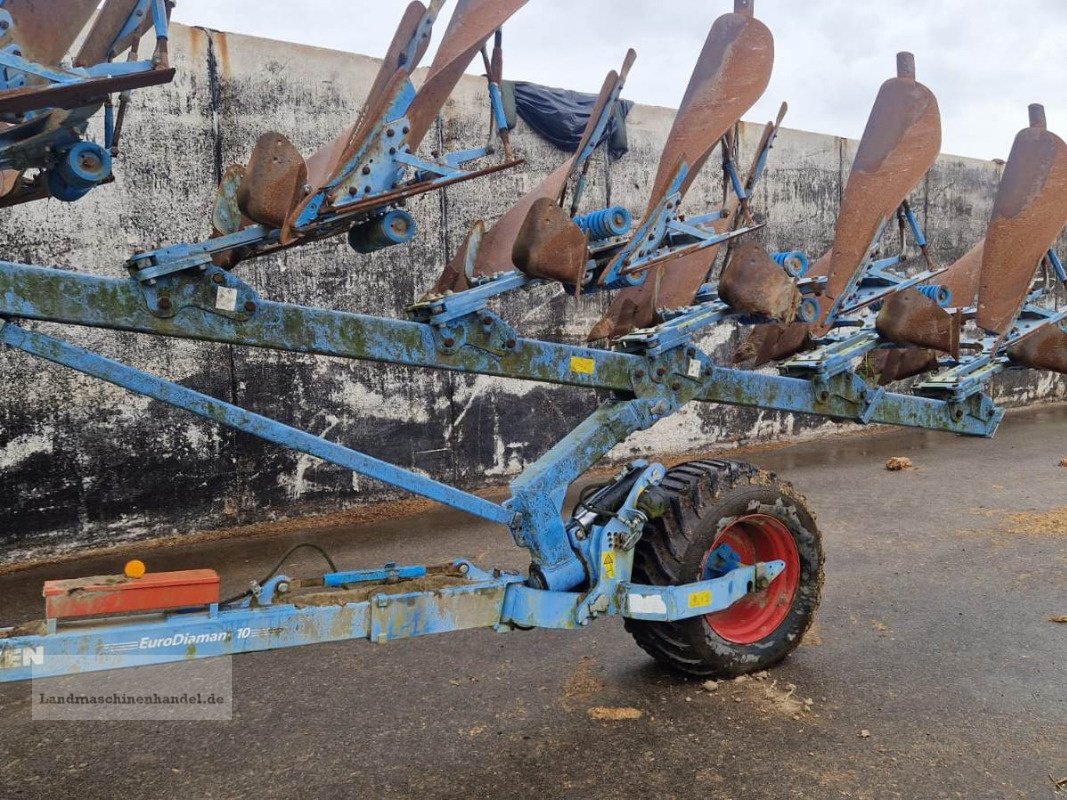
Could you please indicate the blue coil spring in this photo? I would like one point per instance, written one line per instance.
(795, 262)
(941, 295)
(605, 223)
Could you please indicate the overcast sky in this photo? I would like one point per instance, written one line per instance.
(984, 59)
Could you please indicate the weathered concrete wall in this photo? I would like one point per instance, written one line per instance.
(85, 464)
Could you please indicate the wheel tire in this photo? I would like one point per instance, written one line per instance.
(709, 503)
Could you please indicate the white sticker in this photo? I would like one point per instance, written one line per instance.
(646, 604)
(226, 299)
(694, 368)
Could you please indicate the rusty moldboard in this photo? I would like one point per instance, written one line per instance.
(961, 278)
(773, 342)
(896, 364)
(899, 145)
(1029, 212)
(273, 182)
(753, 282)
(496, 248)
(326, 161)
(472, 23)
(102, 42)
(549, 244)
(45, 30)
(1045, 349)
(911, 318)
(730, 75)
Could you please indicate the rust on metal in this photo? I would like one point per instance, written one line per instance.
(896, 364)
(1029, 212)
(911, 318)
(754, 283)
(102, 43)
(395, 56)
(899, 145)
(549, 245)
(1044, 349)
(31, 98)
(472, 23)
(961, 279)
(45, 30)
(731, 74)
(324, 164)
(495, 252)
(773, 342)
(274, 180)
(457, 273)
(496, 248)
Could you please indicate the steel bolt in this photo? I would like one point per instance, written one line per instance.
(661, 371)
(390, 132)
(164, 303)
(250, 306)
(217, 277)
(676, 385)
(510, 344)
(639, 374)
(448, 341)
(487, 320)
(366, 170)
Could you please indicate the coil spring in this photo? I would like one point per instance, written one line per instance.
(941, 295)
(794, 262)
(605, 223)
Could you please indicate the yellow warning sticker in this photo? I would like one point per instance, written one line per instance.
(698, 599)
(583, 366)
(607, 562)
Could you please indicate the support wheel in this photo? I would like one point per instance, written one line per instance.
(708, 504)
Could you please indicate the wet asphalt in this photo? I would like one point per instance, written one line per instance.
(933, 669)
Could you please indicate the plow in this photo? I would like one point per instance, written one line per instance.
(715, 566)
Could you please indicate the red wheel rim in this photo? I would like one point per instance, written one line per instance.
(757, 537)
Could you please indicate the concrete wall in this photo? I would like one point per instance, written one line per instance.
(85, 464)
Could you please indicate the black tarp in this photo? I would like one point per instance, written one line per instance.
(560, 116)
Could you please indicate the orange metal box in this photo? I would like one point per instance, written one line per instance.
(117, 594)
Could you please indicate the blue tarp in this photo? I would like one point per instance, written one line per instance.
(560, 116)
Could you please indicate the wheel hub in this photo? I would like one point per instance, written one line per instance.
(753, 538)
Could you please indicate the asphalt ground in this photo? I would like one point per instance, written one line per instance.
(933, 670)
